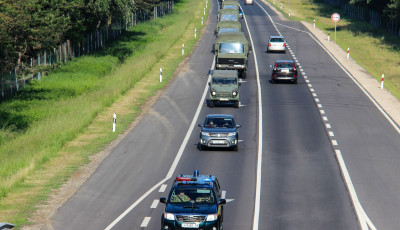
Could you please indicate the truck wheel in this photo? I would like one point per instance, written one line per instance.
(244, 74)
(212, 104)
(237, 103)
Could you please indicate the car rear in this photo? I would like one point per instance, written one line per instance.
(276, 44)
(284, 71)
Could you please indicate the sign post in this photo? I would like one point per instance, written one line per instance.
(336, 18)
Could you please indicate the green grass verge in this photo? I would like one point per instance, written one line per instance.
(373, 48)
(51, 127)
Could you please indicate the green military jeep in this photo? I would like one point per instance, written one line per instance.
(231, 51)
(228, 26)
(224, 87)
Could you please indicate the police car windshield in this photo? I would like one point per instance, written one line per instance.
(224, 81)
(192, 195)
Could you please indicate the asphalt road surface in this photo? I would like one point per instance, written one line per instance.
(285, 175)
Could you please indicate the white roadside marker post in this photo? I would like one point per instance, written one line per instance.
(348, 53)
(160, 74)
(114, 122)
(314, 23)
(383, 78)
(329, 35)
(195, 32)
(183, 49)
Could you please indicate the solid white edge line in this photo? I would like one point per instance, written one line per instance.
(257, 199)
(175, 162)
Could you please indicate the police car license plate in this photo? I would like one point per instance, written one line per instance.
(190, 225)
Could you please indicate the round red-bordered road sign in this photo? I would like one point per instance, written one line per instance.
(335, 17)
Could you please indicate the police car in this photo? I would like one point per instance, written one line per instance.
(194, 202)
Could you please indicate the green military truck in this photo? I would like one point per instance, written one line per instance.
(228, 26)
(224, 87)
(230, 3)
(231, 51)
(228, 15)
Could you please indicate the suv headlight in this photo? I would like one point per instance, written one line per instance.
(231, 134)
(169, 216)
(212, 217)
(205, 134)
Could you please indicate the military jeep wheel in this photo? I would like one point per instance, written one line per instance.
(212, 104)
(244, 74)
(237, 103)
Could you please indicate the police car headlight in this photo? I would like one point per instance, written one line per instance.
(169, 216)
(205, 134)
(231, 134)
(212, 217)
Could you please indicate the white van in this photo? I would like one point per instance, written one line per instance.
(247, 2)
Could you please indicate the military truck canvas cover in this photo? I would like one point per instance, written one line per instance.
(228, 15)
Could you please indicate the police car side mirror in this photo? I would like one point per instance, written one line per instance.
(222, 201)
(238, 126)
(163, 200)
(200, 125)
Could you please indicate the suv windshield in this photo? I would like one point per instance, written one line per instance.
(219, 122)
(231, 48)
(192, 195)
(224, 30)
(224, 81)
(229, 17)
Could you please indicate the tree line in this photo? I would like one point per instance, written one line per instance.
(29, 26)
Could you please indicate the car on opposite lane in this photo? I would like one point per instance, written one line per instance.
(284, 70)
(219, 130)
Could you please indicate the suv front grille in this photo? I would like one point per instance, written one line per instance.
(190, 218)
(218, 134)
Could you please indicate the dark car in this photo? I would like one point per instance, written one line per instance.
(194, 202)
(219, 130)
(284, 70)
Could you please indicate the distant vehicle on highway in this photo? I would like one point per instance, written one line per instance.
(224, 87)
(194, 202)
(219, 130)
(276, 43)
(248, 2)
(284, 70)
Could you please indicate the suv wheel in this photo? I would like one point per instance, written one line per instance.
(237, 104)
(201, 147)
(236, 148)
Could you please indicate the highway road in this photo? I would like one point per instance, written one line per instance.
(285, 175)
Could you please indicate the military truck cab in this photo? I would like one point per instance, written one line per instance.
(224, 87)
(231, 52)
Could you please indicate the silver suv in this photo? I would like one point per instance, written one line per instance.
(276, 43)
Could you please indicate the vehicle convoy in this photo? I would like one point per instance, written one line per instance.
(284, 70)
(224, 87)
(228, 15)
(219, 130)
(231, 51)
(228, 26)
(276, 43)
(194, 202)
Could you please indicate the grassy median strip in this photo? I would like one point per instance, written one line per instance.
(52, 127)
(371, 47)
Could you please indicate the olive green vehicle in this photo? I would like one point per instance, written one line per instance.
(231, 51)
(230, 2)
(228, 26)
(224, 87)
(228, 15)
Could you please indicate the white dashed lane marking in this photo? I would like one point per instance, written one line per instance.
(334, 142)
(331, 134)
(145, 222)
(328, 126)
(162, 188)
(154, 204)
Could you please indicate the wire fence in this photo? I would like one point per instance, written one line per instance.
(371, 16)
(13, 80)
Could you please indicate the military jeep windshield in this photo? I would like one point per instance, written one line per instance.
(192, 195)
(224, 81)
(227, 30)
(229, 17)
(231, 48)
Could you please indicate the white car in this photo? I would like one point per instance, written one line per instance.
(276, 43)
(248, 2)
